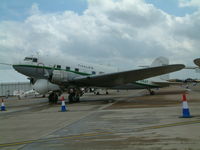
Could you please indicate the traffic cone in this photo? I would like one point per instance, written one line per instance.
(186, 111)
(3, 107)
(63, 107)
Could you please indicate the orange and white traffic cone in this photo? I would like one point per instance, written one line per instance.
(185, 111)
(3, 107)
(63, 107)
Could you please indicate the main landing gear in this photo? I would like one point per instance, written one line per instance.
(74, 95)
(53, 98)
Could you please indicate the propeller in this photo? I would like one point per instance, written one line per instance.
(5, 66)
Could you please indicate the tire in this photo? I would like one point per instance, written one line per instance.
(71, 98)
(77, 99)
(53, 98)
(50, 98)
(152, 93)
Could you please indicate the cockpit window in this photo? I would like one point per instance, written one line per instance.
(34, 59)
(30, 59)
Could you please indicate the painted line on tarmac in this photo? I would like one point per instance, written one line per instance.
(170, 125)
(53, 139)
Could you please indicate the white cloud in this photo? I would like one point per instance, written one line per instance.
(34, 9)
(127, 33)
(189, 3)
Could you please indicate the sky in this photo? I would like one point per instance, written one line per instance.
(122, 33)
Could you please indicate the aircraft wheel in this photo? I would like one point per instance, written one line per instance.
(152, 93)
(77, 98)
(71, 98)
(50, 98)
(53, 98)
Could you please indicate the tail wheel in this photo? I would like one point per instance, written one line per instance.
(152, 93)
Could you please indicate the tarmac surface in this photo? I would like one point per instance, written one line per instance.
(121, 120)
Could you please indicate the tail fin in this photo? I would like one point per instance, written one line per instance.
(161, 61)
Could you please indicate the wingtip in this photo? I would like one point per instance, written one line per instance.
(182, 66)
(179, 66)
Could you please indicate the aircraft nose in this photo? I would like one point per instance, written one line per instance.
(27, 70)
(15, 67)
(18, 68)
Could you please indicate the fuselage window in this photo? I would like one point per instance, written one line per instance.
(101, 72)
(76, 69)
(59, 66)
(93, 72)
(67, 68)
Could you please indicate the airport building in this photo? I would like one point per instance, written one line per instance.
(12, 83)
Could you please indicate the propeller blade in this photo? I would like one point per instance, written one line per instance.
(5, 64)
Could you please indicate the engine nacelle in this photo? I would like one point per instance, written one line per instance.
(60, 76)
(43, 86)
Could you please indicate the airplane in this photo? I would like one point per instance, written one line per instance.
(54, 76)
(195, 86)
(197, 62)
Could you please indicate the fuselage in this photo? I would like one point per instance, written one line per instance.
(41, 68)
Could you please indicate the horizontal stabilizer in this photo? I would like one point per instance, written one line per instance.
(163, 84)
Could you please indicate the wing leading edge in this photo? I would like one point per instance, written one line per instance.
(120, 78)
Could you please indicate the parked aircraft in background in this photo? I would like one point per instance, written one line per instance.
(54, 76)
(197, 62)
(195, 85)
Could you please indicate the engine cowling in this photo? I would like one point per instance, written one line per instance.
(60, 76)
(43, 86)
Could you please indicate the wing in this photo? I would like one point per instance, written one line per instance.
(120, 78)
(197, 62)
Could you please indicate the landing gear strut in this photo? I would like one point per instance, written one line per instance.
(53, 98)
(74, 95)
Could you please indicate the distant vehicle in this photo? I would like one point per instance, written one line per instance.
(21, 94)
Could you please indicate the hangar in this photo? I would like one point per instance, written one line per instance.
(11, 81)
